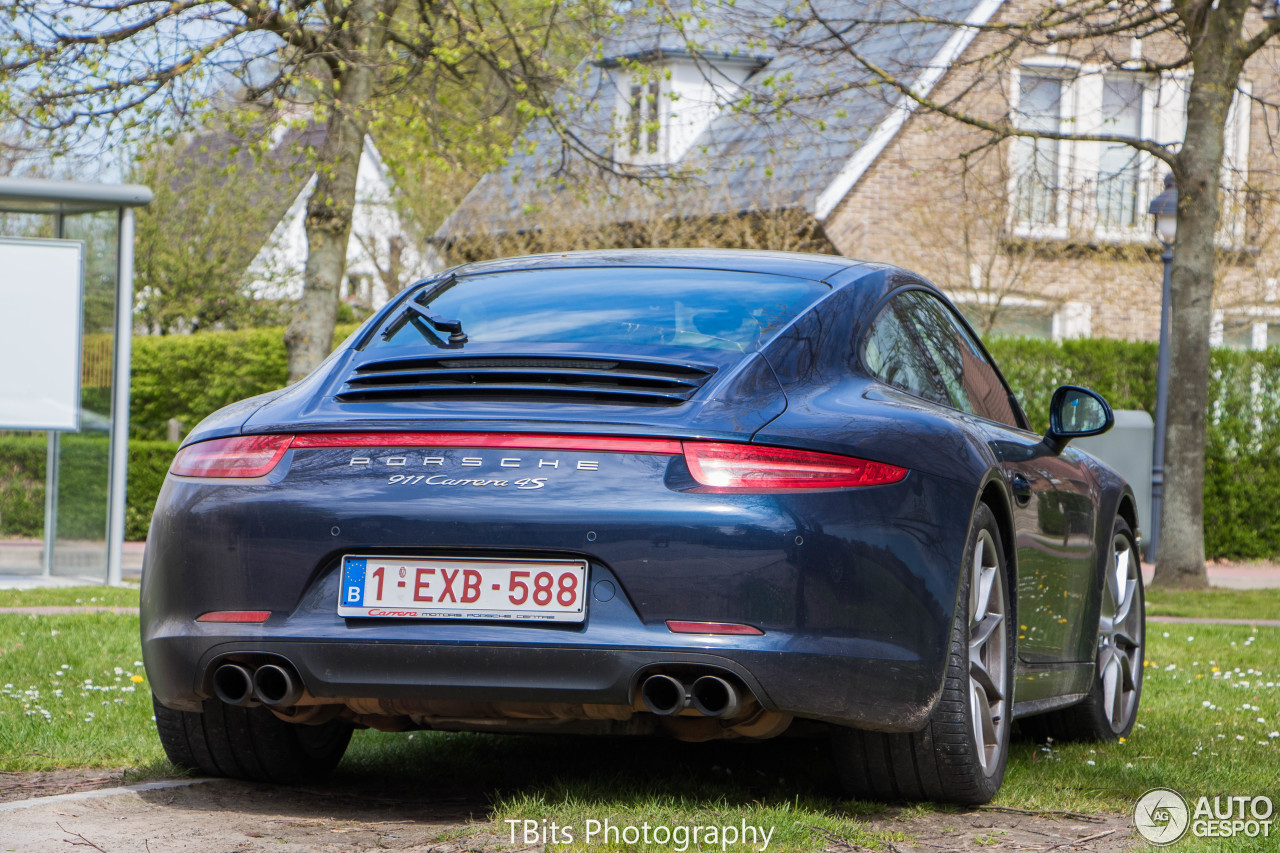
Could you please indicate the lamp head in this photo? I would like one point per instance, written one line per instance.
(1164, 208)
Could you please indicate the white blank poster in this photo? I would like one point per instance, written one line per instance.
(40, 295)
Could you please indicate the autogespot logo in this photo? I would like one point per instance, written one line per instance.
(1162, 816)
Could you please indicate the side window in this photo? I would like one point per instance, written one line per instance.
(960, 361)
(895, 354)
(931, 324)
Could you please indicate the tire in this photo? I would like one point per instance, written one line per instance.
(1111, 706)
(249, 743)
(959, 756)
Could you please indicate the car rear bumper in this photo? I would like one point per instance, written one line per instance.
(854, 592)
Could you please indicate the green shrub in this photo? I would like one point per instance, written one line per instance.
(1242, 456)
(148, 463)
(82, 485)
(189, 377)
(22, 465)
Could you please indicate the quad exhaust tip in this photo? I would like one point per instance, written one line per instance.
(664, 695)
(715, 697)
(233, 684)
(277, 686)
(709, 695)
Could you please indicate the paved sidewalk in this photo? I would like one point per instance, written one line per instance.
(1233, 576)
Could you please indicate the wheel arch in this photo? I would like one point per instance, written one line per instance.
(995, 495)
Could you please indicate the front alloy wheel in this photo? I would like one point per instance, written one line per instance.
(988, 652)
(1120, 635)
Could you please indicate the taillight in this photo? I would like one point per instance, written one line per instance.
(240, 456)
(748, 468)
(717, 467)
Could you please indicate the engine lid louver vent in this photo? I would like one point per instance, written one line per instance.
(550, 379)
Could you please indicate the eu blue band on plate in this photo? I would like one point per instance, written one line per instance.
(353, 581)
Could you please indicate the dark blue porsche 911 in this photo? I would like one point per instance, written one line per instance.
(699, 494)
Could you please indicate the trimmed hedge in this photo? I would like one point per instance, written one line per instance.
(190, 376)
(82, 485)
(1242, 456)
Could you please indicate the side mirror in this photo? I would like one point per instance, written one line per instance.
(1074, 413)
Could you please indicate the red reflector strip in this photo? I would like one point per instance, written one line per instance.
(677, 627)
(234, 616)
(751, 468)
(526, 441)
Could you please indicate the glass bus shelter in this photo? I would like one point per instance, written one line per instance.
(62, 493)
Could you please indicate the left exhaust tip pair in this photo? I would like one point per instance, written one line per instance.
(270, 684)
(709, 695)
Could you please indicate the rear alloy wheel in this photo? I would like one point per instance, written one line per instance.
(250, 743)
(960, 754)
(1111, 706)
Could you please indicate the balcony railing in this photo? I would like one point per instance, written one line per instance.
(1111, 209)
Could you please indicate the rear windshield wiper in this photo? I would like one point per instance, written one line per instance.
(415, 312)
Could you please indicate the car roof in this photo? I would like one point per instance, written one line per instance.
(798, 265)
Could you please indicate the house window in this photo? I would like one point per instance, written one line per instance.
(1255, 328)
(1023, 316)
(644, 118)
(1099, 190)
(1037, 159)
(1118, 164)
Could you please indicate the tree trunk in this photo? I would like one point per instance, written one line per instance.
(1216, 71)
(309, 337)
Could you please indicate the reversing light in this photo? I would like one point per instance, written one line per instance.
(239, 456)
(250, 616)
(678, 627)
(749, 468)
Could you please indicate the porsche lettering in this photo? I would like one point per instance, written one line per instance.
(476, 462)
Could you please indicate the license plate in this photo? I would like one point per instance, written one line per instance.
(439, 588)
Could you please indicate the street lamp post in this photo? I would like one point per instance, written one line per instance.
(1164, 208)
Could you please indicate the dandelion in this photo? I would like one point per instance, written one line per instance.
(136, 679)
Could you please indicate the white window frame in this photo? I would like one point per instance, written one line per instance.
(652, 148)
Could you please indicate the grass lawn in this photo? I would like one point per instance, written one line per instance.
(70, 596)
(70, 696)
(1215, 603)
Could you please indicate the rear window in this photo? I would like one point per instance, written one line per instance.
(709, 309)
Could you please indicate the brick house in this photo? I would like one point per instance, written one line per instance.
(1030, 236)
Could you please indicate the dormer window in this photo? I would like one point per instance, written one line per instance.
(665, 99)
(644, 121)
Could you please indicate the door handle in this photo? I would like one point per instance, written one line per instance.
(1021, 490)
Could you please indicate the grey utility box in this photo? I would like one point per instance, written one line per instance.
(1127, 447)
